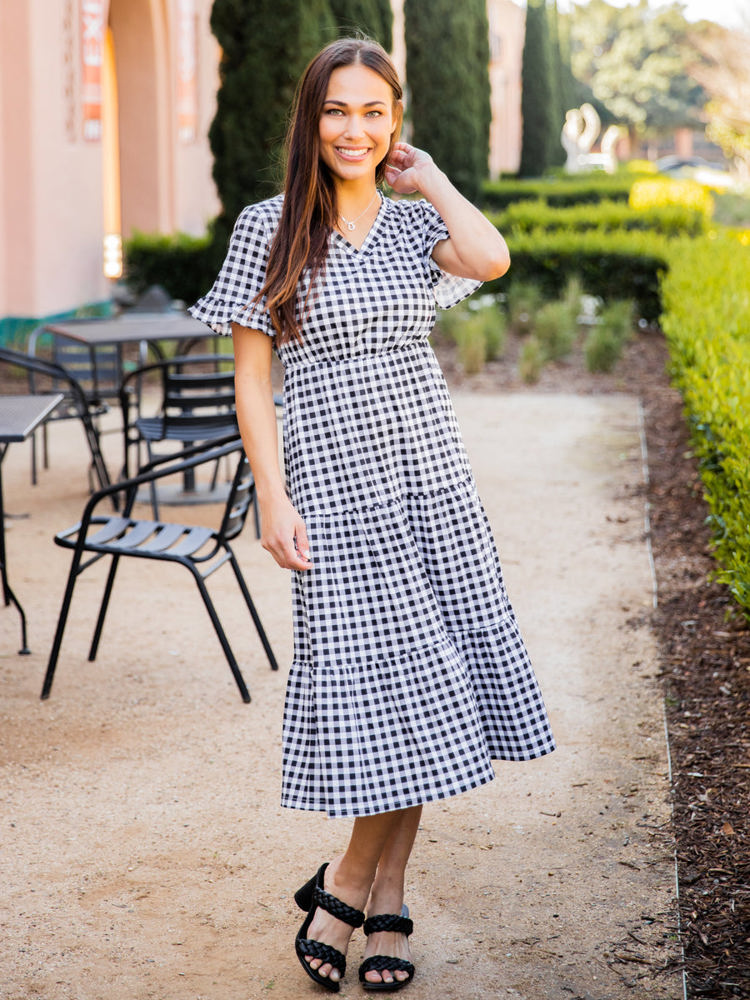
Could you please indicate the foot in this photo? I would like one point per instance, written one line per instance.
(326, 928)
(386, 942)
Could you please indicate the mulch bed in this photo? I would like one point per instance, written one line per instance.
(704, 651)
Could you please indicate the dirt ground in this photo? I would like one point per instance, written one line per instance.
(144, 854)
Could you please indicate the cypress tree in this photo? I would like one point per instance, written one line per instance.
(559, 80)
(374, 18)
(447, 68)
(536, 93)
(266, 45)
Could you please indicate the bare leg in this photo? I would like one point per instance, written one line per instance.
(387, 894)
(350, 878)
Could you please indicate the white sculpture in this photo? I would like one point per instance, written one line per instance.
(579, 133)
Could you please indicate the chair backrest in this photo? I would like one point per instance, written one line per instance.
(197, 392)
(239, 501)
(98, 369)
(45, 376)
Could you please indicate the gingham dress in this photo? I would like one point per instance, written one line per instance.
(409, 672)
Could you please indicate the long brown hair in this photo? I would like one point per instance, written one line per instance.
(309, 211)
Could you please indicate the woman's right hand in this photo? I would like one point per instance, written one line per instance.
(284, 535)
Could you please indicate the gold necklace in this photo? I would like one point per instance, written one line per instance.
(351, 224)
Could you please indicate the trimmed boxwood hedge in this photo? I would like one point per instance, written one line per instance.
(609, 216)
(185, 266)
(706, 320)
(611, 265)
(587, 189)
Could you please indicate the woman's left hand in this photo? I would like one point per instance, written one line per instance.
(404, 167)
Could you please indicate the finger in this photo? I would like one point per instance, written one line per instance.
(301, 543)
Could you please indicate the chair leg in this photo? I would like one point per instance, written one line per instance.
(152, 486)
(61, 621)
(103, 608)
(233, 665)
(253, 612)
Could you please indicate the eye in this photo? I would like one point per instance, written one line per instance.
(374, 114)
(332, 111)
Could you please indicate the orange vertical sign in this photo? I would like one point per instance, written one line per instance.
(187, 83)
(92, 54)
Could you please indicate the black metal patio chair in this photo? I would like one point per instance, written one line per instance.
(196, 404)
(200, 550)
(46, 376)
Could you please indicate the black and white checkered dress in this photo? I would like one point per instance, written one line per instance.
(409, 673)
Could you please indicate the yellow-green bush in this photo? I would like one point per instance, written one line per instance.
(706, 297)
(662, 191)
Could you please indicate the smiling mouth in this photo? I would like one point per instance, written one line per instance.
(352, 153)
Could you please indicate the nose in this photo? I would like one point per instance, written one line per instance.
(353, 126)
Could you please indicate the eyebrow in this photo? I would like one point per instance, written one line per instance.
(343, 104)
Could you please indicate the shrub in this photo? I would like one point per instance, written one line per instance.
(184, 265)
(662, 191)
(531, 360)
(670, 220)
(581, 189)
(471, 344)
(555, 329)
(478, 328)
(607, 263)
(523, 298)
(706, 320)
(606, 340)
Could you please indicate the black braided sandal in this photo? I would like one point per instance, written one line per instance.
(311, 896)
(398, 924)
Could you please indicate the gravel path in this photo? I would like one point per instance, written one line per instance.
(143, 852)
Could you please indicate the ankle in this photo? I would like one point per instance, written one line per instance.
(348, 882)
(386, 896)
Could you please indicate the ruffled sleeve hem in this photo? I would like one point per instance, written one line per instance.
(447, 289)
(219, 315)
(242, 275)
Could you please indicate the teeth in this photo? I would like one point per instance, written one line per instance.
(351, 152)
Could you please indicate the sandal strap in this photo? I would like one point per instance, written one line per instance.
(337, 908)
(325, 952)
(379, 963)
(389, 922)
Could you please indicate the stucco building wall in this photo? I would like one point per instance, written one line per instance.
(52, 175)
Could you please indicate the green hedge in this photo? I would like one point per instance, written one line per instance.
(185, 266)
(607, 216)
(611, 265)
(706, 296)
(586, 189)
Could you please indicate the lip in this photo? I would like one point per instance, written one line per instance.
(352, 154)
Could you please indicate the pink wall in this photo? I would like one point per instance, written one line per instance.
(51, 213)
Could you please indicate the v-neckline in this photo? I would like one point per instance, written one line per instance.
(350, 247)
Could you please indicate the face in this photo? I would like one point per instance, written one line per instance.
(358, 120)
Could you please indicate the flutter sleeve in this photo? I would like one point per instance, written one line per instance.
(241, 277)
(448, 289)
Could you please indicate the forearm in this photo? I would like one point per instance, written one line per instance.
(256, 416)
(476, 244)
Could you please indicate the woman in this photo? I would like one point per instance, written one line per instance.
(409, 674)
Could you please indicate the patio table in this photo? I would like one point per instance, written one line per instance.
(145, 329)
(19, 417)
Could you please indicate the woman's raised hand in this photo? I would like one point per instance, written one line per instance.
(284, 535)
(404, 167)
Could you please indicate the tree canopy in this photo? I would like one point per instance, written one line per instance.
(538, 106)
(636, 61)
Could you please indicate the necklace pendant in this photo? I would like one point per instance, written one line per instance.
(351, 226)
